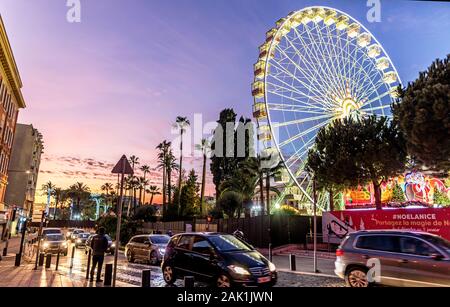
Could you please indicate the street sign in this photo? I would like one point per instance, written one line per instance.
(123, 166)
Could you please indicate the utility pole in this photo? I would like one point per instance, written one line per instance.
(315, 224)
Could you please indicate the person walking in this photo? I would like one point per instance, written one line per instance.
(99, 245)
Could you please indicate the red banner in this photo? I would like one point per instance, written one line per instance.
(336, 225)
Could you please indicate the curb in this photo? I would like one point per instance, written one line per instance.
(308, 273)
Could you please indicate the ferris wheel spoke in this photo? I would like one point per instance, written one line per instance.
(301, 121)
(303, 133)
(335, 53)
(297, 156)
(375, 99)
(306, 104)
(311, 87)
(292, 108)
(375, 108)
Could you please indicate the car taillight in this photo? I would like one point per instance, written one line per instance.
(339, 253)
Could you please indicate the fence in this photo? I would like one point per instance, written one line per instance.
(285, 229)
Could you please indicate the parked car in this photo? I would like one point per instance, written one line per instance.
(48, 231)
(220, 259)
(74, 234)
(81, 238)
(149, 248)
(405, 258)
(111, 245)
(54, 243)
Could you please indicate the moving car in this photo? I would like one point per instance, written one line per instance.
(48, 231)
(394, 258)
(149, 248)
(111, 245)
(75, 232)
(53, 244)
(81, 238)
(221, 259)
(69, 233)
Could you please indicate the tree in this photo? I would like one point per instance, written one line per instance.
(398, 195)
(171, 165)
(60, 196)
(422, 113)
(253, 167)
(352, 152)
(79, 193)
(141, 183)
(163, 150)
(134, 161)
(145, 214)
(145, 169)
(181, 123)
(153, 190)
(107, 188)
(189, 204)
(229, 202)
(440, 198)
(205, 148)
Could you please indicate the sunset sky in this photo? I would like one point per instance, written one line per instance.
(114, 83)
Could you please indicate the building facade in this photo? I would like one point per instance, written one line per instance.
(24, 168)
(11, 100)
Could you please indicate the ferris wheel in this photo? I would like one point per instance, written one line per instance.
(317, 65)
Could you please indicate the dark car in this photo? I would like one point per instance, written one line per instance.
(220, 259)
(81, 238)
(149, 248)
(397, 258)
(53, 244)
(111, 245)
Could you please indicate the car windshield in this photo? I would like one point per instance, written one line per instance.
(441, 242)
(228, 243)
(54, 238)
(84, 235)
(160, 239)
(51, 231)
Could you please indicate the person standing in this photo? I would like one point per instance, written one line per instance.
(99, 245)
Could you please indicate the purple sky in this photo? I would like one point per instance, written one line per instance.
(115, 82)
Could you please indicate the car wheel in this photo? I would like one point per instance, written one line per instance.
(357, 278)
(169, 275)
(223, 281)
(130, 256)
(153, 258)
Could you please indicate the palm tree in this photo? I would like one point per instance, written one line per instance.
(107, 188)
(181, 123)
(134, 161)
(79, 192)
(253, 167)
(204, 147)
(47, 189)
(170, 165)
(153, 190)
(245, 185)
(163, 150)
(271, 172)
(141, 184)
(59, 196)
(145, 169)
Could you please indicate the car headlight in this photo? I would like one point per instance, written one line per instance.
(113, 245)
(45, 245)
(238, 270)
(162, 250)
(64, 244)
(79, 241)
(272, 267)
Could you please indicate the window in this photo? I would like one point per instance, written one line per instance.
(201, 245)
(185, 242)
(228, 243)
(159, 239)
(415, 246)
(380, 243)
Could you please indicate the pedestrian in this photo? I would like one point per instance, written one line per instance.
(170, 233)
(99, 245)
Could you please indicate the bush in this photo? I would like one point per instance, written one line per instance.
(127, 230)
(145, 214)
(286, 210)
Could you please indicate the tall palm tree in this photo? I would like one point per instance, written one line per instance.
(271, 172)
(141, 184)
(153, 190)
(145, 169)
(79, 192)
(204, 147)
(59, 196)
(181, 123)
(47, 190)
(134, 161)
(163, 150)
(107, 188)
(171, 165)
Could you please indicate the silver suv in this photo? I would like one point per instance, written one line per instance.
(394, 258)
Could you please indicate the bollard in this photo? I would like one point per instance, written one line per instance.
(57, 261)
(292, 262)
(17, 262)
(48, 261)
(41, 259)
(189, 281)
(71, 259)
(88, 265)
(108, 274)
(146, 279)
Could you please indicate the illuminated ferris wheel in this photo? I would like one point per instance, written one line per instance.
(318, 64)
